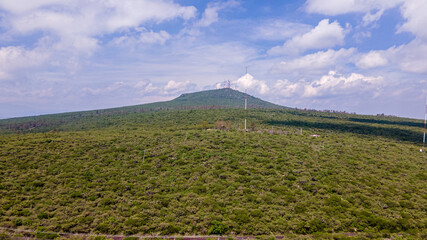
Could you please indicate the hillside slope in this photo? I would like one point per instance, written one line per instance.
(171, 173)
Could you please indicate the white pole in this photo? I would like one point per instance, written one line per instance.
(425, 120)
(246, 100)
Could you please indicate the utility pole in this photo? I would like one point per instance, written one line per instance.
(246, 100)
(425, 120)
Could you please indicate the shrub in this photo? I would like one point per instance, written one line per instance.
(316, 225)
(217, 228)
(18, 222)
(45, 235)
(241, 216)
(170, 229)
(43, 215)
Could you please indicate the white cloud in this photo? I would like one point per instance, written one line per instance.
(143, 36)
(324, 35)
(372, 17)
(79, 23)
(317, 61)
(279, 30)
(13, 58)
(22, 6)
(332, 7)
(145, 87)
(154, 37)
(372, 59)
(412, 10)
(247, 81)
(338, 7)
(415, 13)
(150, 88)
(139, 89)
(333, 84)
(140, 84)
(210, 15)
(411, 57)
(373, 9)
(287, 89)
(175, 87)
(66, 33)
(360, 36)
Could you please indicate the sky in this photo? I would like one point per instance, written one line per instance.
(362, 56)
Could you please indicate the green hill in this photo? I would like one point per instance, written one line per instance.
(210, 99)
(222, 98)
(179, 172)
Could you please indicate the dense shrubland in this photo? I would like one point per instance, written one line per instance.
(176, 172)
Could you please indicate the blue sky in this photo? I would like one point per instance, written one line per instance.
(360, 56)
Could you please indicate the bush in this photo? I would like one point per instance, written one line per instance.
(217, 228)
(241, 216)
(170, 230)
(43, 215)
(18, 222)
(316, 225)
(45, 235)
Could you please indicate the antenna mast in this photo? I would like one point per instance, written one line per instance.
(425, 120)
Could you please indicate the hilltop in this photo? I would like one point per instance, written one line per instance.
(226, 98)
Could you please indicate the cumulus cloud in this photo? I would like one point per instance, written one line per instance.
(79, 23)
(412, 10)
(333, 84)
(247, 81)
(66, 33)
(318, 61)
(324, 35)
(372, 59)
(409, 57)
(145, 87)
(415, 14)
(210, 15)
(173, 87)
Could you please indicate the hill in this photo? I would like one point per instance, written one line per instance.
(210, 99)
(178, 173)
(223, 98)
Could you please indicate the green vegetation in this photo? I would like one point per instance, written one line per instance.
(172, 172)
(211, 99)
